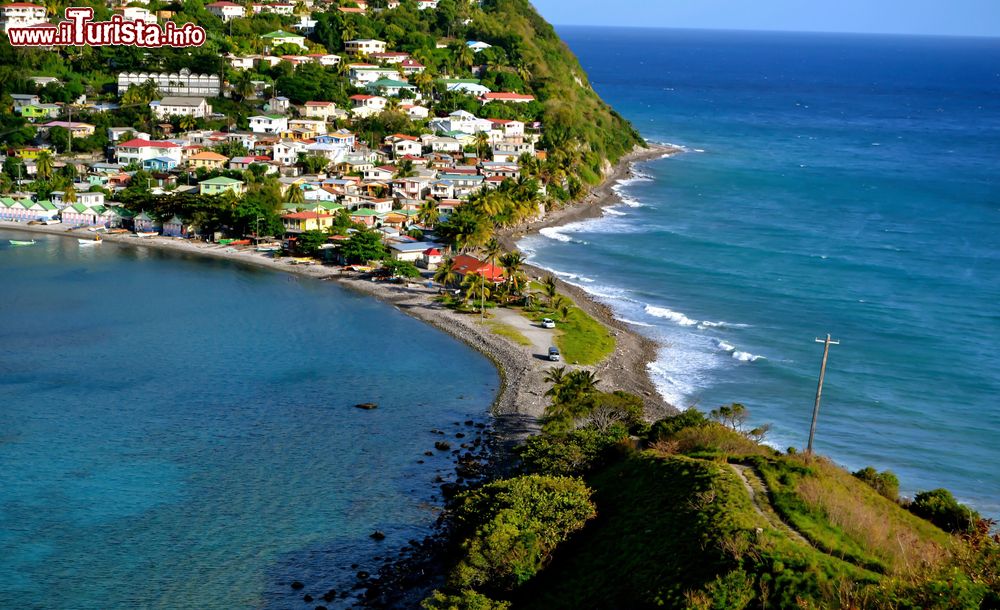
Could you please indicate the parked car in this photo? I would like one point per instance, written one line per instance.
(554, 354)
(548, 323)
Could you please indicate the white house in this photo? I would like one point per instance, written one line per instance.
(367, 105)
(403, 145)
(181, 106)
(135, 13)
(462, 121)
(286, 152)
(138, 150)
(268, 123)
(173, 83)
(365, 46)
(21, 15)
(478, 46)
(414, 111)
(279, 37)
(324, 111)
(464, 85)
(226, 10)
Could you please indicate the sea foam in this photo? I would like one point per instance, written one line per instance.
(669, 314)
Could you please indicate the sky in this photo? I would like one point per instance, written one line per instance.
(939, 17)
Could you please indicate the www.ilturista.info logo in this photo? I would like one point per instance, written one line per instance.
(79, 29)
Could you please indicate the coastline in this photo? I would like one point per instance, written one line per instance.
(521, 401)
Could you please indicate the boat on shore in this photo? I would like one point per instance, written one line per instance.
(20, 242)
(90, 242)
(146, 233)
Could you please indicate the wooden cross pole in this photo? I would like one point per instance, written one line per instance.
(819, 388)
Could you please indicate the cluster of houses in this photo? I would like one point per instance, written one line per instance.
(382, 184)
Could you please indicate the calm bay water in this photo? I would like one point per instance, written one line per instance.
(180, 433)
(841, 184)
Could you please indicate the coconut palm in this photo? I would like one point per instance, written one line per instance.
(481, 140)
(549, 287)
(555, 376)
(465, 57)
(69, 194)
(187, 122)
(44, 164)
(295, 195)
(445, 274)
(243, 86)
(476, 284)
(349, 31)
(429, 213)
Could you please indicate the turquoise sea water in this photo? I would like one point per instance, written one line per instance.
(841, 184)
(180, 433)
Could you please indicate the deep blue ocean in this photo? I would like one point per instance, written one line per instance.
(835, 184)
(180, 433)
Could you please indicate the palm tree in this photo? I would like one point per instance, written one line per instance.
(405, 169)
(349, 31)
(44, 164)
(423, 81)
(515, 280)
(295, 195)
(549, 287)
(473, 283)
(465, 57)
(69, 194)
(445, 274)
(428, 213)
(564, 311)
(555, 376)
(187, 122)
(481, 141)
(243, 86)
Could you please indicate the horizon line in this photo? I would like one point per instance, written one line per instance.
(769, 31)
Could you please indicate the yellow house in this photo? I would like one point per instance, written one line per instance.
(299, 222)
(207, 159)
(28, 152)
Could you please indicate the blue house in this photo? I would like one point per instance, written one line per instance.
(159, 164)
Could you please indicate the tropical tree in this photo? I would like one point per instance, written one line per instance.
(481, 140)
(243, 86)
(187, 122)
(295, 195)
(475, 284)
(428, 213)
(44, 164)
(549, 288)
(69, 194)
(405, 169)
(445, 273)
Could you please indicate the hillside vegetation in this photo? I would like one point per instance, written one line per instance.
(692, 512)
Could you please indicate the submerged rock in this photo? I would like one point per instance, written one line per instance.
(377, 535)
(442, 446)
(298, 586)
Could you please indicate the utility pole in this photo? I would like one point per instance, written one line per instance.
(69, 149)
(819, 388)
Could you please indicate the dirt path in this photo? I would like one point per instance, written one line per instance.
(762, 505)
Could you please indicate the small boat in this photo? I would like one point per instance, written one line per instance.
(271, 248)
(18, 242)
(89, 242)
(146, 233)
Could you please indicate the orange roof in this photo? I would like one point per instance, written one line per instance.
(305, 215)
(207, 155)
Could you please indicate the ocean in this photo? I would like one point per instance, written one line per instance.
(178, 432)
(840, 184)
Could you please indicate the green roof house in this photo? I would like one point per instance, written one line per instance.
(221, 185)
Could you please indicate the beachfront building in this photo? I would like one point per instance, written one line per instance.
(176, 227)
(365, 46)
(300, 222)
(181, 83)
(196, 107)
(221, 185)
(513, 98)
(21, 15)
(464, 265)
(226, 10)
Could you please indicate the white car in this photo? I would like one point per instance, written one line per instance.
(548, 323)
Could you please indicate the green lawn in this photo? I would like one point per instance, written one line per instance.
(581, 339)
(505, 330)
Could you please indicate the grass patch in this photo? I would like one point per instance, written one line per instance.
(848, 519)
(581, 339)
(509, 332)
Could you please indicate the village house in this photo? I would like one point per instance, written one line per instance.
(280, 37)
(365, 46)
(138, 150)
(382, 172)
(286, 152)
(320, 110)
(181, 106)
(21, 15)
(268, 123)
(135, 13)
(79, 130)
(464, 265)
(514, 98)
(460, 121)
(415, 111)
(391, 88)
(300, 222)
(40, 111)
(367, 105)
(226, 10)
(207, 159)
(221, 185)
(366, 216)
(24, 99)
(181, 83)
(430, 259)
(176, 227)
(244, 163)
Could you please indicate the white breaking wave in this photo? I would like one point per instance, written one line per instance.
(611, 210)
(726, 347)
(720, 324)
(553, 233)
(747, 356)
(669, 314)
(573, 276)
(634, 322)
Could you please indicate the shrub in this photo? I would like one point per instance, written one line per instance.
(669, 426)
(575, 453)
(510, 528)
(942, 509)
(716, 438)
(467, 599)
(885, 483)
